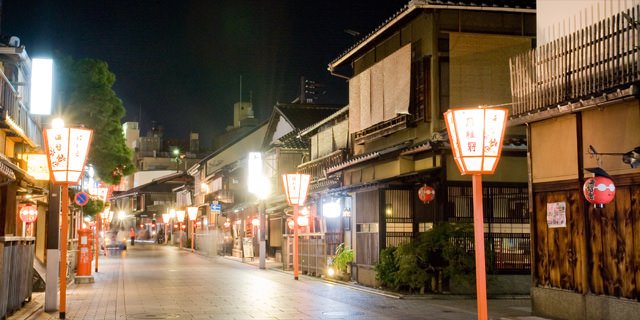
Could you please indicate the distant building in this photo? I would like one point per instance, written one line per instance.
(154, 156)
(244, 121)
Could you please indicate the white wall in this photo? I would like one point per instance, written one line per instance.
(144, 177)
(556, 18)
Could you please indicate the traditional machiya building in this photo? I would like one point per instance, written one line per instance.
(577, 93)
(142, 207)
(403, 76)
(20, 137)
(328, 145)
(283, 151)
(221, 192)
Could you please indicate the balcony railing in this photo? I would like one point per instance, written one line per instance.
(316, 167)
(592, 61)
(16, 117)
(381, 129)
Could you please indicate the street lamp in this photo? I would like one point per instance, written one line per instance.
(180, 216)
(476, 136)
(260, 187)
(193, 214)
(295, 188)
(66, 150)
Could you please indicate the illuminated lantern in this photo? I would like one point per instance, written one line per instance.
(599, 190)
(28, 213)
(255, 221)
(426, 193)
(303, 221)
(290, 224)
(227, 224)
(476, 137)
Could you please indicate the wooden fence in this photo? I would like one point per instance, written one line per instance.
(17, 273)
(597, 59)
(597, 252)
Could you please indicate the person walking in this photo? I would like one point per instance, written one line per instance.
(132, 235)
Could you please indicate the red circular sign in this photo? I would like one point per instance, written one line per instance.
(28, 213)
(81, 198)
(426, 193)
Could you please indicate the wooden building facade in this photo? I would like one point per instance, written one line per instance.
(578, 96)
(402, 77)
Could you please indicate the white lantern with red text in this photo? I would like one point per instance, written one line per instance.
(476, 136)
(67, 150)
(295, 188)
(599, 190)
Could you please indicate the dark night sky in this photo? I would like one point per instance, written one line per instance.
(179, 62)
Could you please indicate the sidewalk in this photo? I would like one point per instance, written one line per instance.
(105, 299)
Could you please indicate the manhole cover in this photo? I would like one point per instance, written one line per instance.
(340, 314)
(151, 316)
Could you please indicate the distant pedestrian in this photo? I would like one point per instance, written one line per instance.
(132, 234)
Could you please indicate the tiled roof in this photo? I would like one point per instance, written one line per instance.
(498, 5)
(291, 140)
(302, 115)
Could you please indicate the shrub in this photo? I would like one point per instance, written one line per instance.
(423, 262)
(386, 268)
(344, 256)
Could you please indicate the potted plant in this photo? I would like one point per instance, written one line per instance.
(342, 261)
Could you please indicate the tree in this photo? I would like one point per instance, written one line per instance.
(86, 94)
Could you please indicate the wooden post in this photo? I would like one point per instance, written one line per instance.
(295, 242)
(97, 238)
(478, 232)
(63, 250)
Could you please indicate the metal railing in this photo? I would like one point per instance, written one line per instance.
(500, 204)
(17, 273)
(508, 253)
(600, 58)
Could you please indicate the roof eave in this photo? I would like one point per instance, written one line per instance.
(410, 8)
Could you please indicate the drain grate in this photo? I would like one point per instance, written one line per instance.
(151, 316)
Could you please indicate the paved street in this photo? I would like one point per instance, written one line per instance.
(157, 282)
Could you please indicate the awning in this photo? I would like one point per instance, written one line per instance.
(8, 171)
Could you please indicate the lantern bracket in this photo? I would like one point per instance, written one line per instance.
(631, 158)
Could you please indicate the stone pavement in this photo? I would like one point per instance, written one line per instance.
(158, 282)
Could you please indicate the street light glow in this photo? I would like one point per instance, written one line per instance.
(57, 123)
(121, 215)
(41, 86)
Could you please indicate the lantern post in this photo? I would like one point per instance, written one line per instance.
(193, 214)
(259, 186)
(295, 188)
(180, 217)
(67, 150)
(166, 218)
(476, 136)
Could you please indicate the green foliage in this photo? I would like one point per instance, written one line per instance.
(438, 252)
(412, 266)
(344, 256)
(386, 269)
(86, 93)
(91, 209)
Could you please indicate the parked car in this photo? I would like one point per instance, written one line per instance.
(115, 240)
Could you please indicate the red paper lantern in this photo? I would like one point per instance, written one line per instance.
(599, 190)
(426, 193)
(28, 213)
(290, 223)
